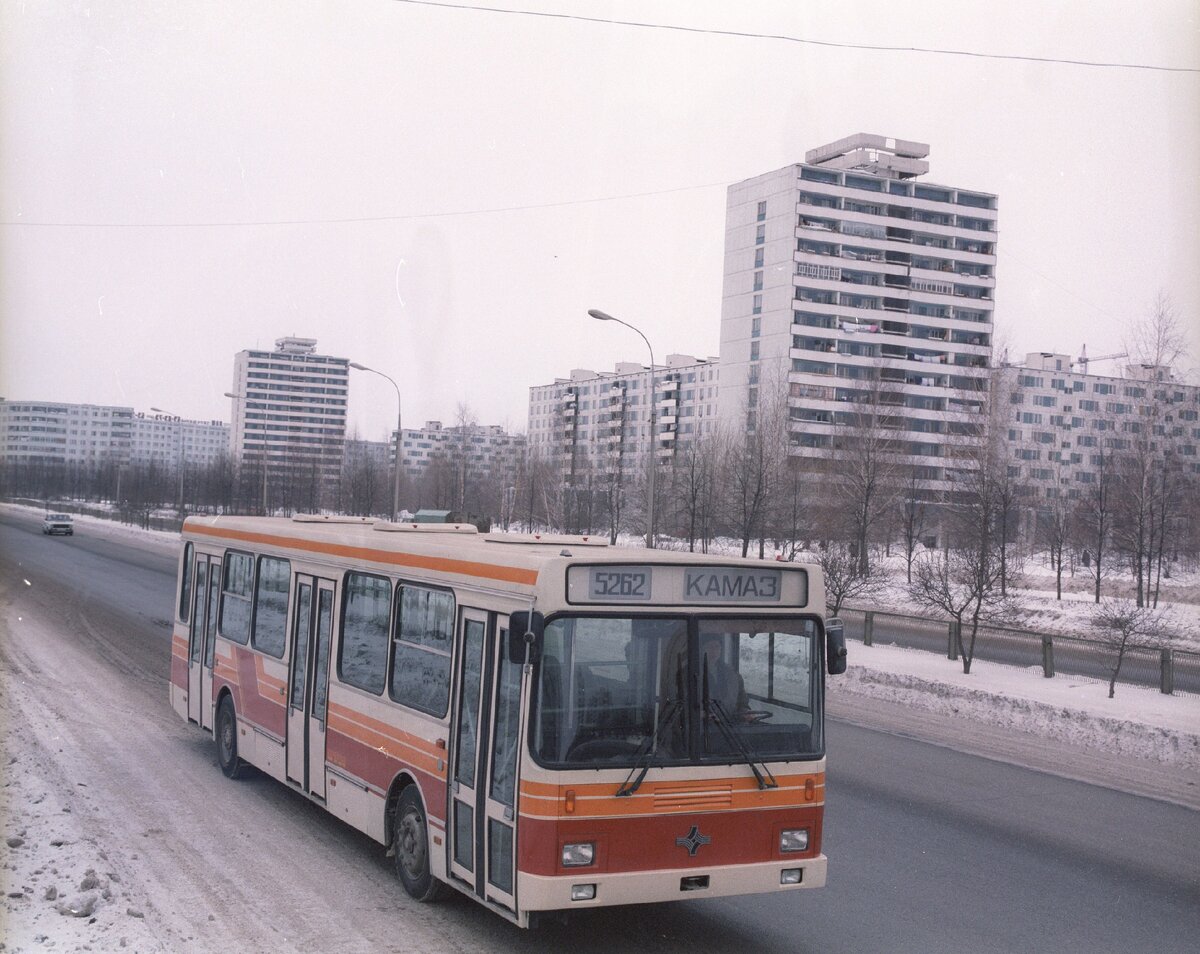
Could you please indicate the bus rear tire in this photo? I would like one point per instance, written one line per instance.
(225, 734)
(410, 847)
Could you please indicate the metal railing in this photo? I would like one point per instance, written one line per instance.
(1170, 670)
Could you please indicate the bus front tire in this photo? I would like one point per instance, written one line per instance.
(225, 734)
(410, 846)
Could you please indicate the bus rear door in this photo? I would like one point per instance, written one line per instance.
(201, 639)
(482, 828)
(312, 624)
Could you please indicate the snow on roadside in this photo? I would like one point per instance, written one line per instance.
(1137, 722)
(61, 888)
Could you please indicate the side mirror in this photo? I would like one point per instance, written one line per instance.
(835, 646)
(524, 632)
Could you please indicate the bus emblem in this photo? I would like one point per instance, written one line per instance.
(693, 840)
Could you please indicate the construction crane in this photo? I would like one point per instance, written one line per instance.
(1083, 360)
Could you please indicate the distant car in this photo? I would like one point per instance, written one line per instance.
(58, 523)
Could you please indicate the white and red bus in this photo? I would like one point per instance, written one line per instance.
(545, 724)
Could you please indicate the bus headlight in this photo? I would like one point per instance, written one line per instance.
(793, 839)
(579, 855)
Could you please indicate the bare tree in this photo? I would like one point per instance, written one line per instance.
(864, 471)
(1054, 525)
(844, 579)
(964, 581)
(695, 488)
(1123, 625)
(913, 516)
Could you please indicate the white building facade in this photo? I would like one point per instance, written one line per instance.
(289, 407)
(1065, 424)
(592, 418)
(167, 441)
(848, 281)
(58, 433)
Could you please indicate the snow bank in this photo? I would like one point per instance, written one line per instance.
(1136, 723)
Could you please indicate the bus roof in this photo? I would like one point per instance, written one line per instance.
(457, 549)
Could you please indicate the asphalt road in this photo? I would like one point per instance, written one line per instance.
(930, 850)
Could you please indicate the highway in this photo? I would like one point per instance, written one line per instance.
(930, 849)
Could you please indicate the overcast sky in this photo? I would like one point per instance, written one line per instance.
(180, 181)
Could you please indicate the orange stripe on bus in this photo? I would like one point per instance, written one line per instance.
(598, 800)
(673, 786)
(489, 571)
(424, 746)
(384, 744)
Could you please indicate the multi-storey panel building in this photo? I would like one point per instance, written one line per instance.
(1065, 424)
(603, 419)
(848, 281)
(55, 432)
(168, 441)
(289, 407)
(482, 448)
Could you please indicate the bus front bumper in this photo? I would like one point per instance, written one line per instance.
(541, 893)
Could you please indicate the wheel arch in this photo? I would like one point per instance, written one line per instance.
(402, 780)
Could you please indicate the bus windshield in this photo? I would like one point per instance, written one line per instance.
(616, 691)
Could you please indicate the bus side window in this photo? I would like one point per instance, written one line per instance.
(421, 649)
(235, 596)
(362, 649)
(185, 585)
(270, 606)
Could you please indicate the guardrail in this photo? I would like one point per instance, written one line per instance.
(1171, 670)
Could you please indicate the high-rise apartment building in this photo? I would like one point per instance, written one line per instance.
(55, 432)
(603, 419)
(848, 282)
(52, 432)
(168, 441)
(289, 408)
(1064, 425)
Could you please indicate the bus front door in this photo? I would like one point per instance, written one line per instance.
(200, 640)
(482, 826)
(312, 624)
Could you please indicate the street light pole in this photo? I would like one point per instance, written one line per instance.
(159, 410)
(602, 316)
(399, 435)
(237, 397)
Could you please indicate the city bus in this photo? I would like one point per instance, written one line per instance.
(544, 723)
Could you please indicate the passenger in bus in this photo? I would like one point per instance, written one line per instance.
(724, 683)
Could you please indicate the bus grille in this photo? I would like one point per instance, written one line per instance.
(693, 795)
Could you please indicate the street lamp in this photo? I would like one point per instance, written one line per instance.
(399, 408)
(238, 397)
(159, 410)
(602, 316)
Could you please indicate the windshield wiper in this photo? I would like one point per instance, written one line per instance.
(734, 738)
(641, 764)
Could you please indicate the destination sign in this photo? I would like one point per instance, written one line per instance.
(727, 585)
(682, 585)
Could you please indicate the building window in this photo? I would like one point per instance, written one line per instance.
(755, 327)
(758, 258)
(753, 350)
(757, 307)
(760, 235)
(758, 280)
(762, 210)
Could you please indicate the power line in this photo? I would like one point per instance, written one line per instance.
(360, 219)
(745, 34)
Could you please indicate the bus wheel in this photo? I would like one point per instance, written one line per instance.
(226, 738)
(410, 844)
